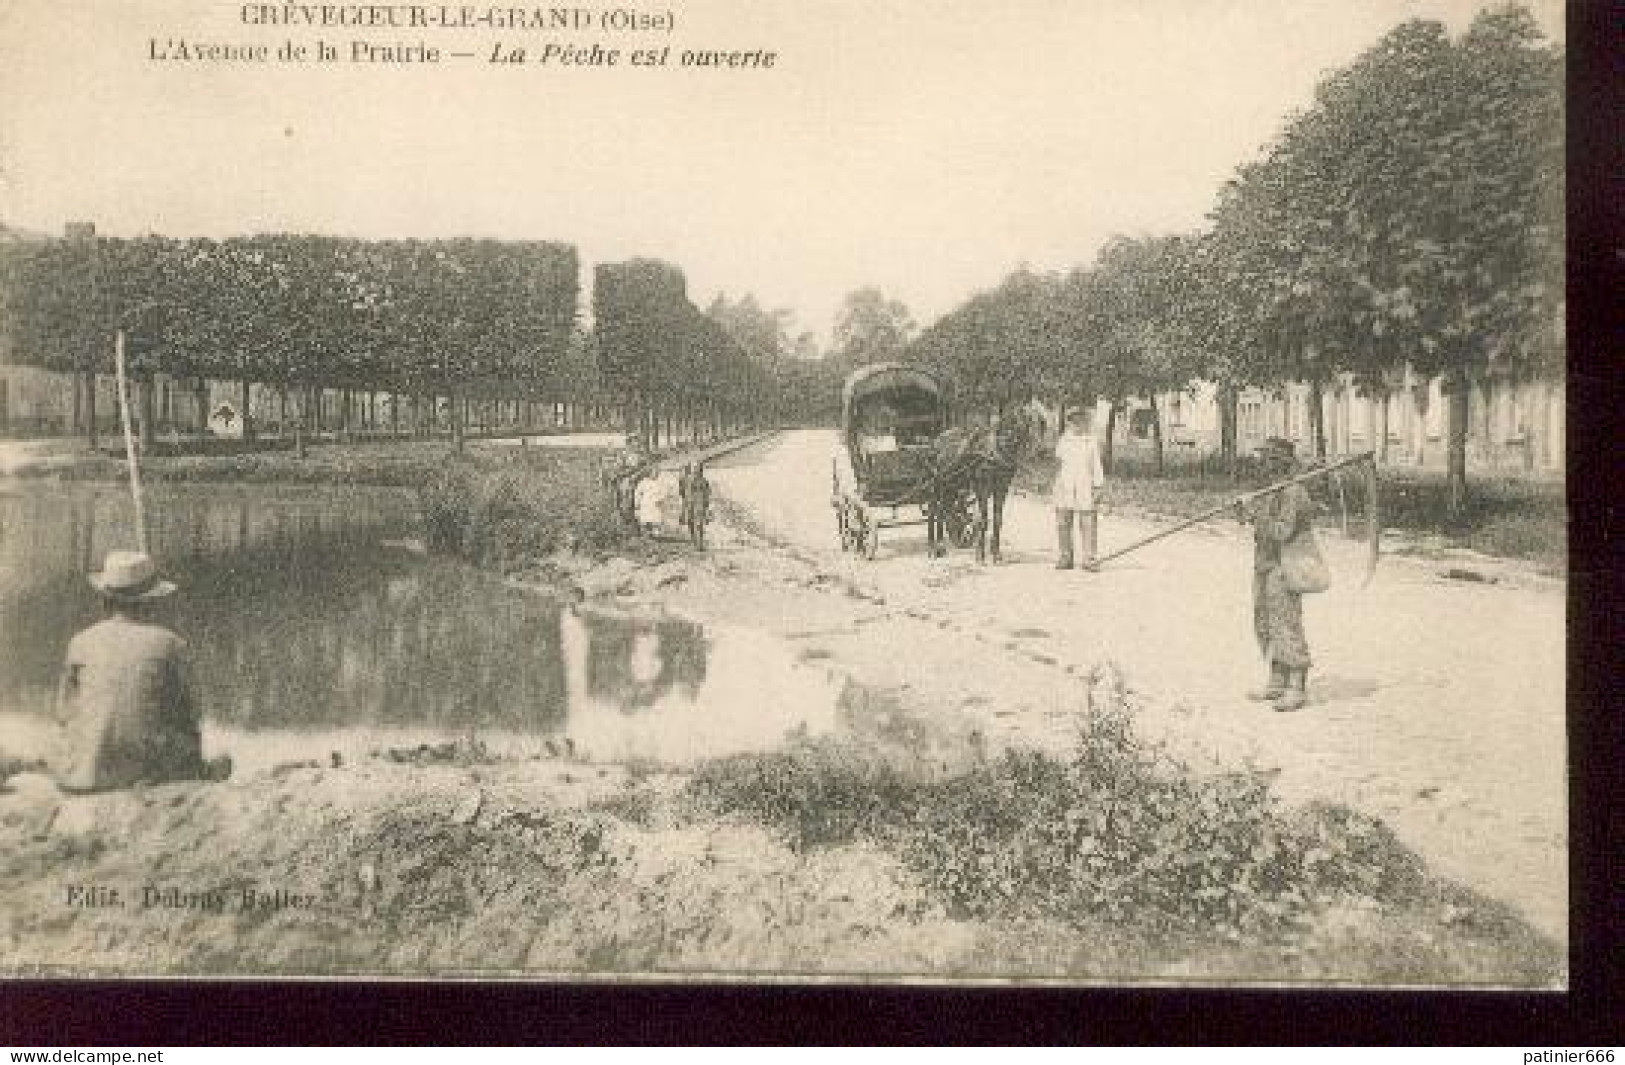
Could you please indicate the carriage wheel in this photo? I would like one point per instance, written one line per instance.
(869, 539)
(865, 531)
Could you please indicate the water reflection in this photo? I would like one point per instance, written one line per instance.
(653, 686)
(309, 636)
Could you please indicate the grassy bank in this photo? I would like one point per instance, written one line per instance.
(1506, 516)
(493, 506)
(1122, 844)
(833, 856)
(401, 464)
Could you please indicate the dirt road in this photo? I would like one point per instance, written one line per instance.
(1438, 704)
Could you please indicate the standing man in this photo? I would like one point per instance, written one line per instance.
(1277, 519)
(125, 693)
(1077, 483)
(696, 491)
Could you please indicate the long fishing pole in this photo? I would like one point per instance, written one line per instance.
(1318, 471)
(129, 443)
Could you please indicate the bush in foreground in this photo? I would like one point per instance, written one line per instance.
(1116, 831)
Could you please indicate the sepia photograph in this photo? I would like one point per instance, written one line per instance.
(1058, 492)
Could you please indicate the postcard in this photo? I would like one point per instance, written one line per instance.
(1059, 491)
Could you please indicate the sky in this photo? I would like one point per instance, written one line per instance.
(928, 147)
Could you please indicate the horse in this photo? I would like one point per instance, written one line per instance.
(979, 460)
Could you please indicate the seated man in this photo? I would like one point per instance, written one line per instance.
(125, 695)
(917, 430)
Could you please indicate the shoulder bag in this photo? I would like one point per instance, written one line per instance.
(1302, 566)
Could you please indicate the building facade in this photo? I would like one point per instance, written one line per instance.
(1511, 425)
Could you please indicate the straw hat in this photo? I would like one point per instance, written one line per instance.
(130, 577)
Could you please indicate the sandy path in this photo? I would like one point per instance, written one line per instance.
(1438, 704)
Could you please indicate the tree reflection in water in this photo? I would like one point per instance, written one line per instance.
(301, 622)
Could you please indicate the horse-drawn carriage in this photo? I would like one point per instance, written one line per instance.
(891, 415)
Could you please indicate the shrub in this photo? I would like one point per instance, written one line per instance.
(502, 511)
(818, 792)
(1117, 831)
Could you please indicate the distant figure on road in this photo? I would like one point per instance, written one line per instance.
(696, 491)
(1078, 480)
(646, 499)
(125, 695)
(1278, 518)
(623, 479)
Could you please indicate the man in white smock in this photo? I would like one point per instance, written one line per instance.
(1077, 486)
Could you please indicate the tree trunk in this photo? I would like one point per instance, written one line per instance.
(1317, 418)
(248, 423)
(1229, 417)
(200, 408)
(1380, 444)
(146, 414)
(1106, 448)
(1456, 472)
(299, 419)
(1156, 434)
(457, 412)
(91, 437)
(1419, 426)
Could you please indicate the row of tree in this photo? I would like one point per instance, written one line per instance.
(804, 381)
(450, 326)
(1412, 217)
(671, 365)
(441, 319)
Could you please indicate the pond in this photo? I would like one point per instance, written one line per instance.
(316, 625)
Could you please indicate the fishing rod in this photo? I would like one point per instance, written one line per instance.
(1308, 475)
(129, 443)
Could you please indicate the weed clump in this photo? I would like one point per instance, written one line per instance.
(504, 511)
(1116, 831)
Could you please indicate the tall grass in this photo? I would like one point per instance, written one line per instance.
(504, 510)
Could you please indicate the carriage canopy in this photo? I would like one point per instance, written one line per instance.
(893, 397)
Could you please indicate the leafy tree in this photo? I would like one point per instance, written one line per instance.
(871, 328)
(1412, 216)
(999, 347)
